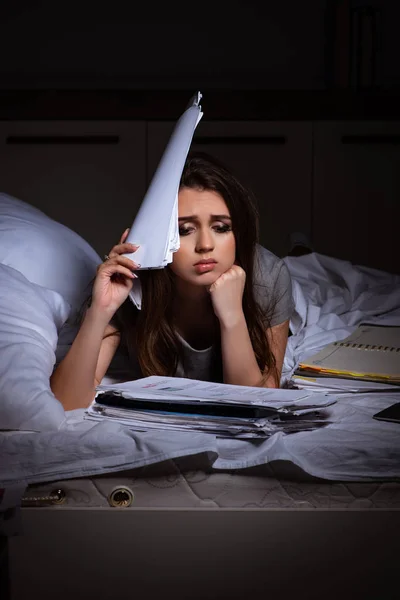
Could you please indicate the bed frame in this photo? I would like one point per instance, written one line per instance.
(102, 553)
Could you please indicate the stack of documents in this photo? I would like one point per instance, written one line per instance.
(337, 386)
(178, 404)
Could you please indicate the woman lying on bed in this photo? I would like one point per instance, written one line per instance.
(219, 312)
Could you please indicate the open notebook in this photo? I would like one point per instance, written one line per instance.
(371, 353)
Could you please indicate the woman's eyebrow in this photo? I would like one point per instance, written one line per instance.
(220, 217)
(188, 218)
(213, 218)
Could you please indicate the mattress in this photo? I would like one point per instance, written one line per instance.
(184, 530)
(184, 484)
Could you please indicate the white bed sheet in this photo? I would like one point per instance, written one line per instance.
(332, 297)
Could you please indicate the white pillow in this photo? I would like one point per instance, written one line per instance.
(45, 275)
(30, 317)
(46, 252)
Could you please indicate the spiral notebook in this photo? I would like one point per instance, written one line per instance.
(371, 352)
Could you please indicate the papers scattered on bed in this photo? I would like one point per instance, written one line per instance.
(177, 404)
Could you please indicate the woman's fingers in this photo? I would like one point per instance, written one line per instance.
(114, 268)
(125, 248)
(121, 260)
(124, 236)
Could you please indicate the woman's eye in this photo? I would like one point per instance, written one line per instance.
(222, 228)
(185, 230)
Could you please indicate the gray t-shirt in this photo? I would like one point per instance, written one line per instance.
(272, 290)
(273, 293)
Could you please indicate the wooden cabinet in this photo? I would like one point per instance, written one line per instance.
(88, 175)
(273, 159)
(356, 200)
(337, 182)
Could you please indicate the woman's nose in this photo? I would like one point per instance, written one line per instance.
(204, 242)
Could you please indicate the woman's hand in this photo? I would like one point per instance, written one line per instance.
(114, 278)
(227, 294)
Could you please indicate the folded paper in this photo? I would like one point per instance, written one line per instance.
(155, 227)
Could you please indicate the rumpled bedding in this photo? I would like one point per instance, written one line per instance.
(331, 298)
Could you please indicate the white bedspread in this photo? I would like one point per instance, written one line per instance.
(332, 297)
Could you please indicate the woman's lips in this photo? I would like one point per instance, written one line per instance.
(204, 267)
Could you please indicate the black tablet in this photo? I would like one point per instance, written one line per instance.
(392, 414)
(201, 409)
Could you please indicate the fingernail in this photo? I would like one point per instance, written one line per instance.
(134, 276)
(135, 246)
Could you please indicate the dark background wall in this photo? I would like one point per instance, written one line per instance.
(248, 46)
(238, 44)
(266, 69)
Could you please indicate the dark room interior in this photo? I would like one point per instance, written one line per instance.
(301, 99)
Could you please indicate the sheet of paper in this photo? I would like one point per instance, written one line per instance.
(374, 336)
(155, 227)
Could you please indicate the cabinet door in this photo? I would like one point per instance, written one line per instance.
(273, 159)
(90, 175)
(357, 192)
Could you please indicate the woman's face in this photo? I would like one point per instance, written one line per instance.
(207, 244)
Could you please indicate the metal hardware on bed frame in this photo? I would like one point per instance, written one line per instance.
(121, 497)
(55, 497)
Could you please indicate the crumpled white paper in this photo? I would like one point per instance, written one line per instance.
(155, 227)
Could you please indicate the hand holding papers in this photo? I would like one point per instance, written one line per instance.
(155, 228)
(178, 404)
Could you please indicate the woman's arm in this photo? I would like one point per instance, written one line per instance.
(240, 366)
(239, 363)
(75, 379)
(277, 339)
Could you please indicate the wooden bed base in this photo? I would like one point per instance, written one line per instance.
(102, 553)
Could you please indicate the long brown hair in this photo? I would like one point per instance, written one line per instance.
(149, 334)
